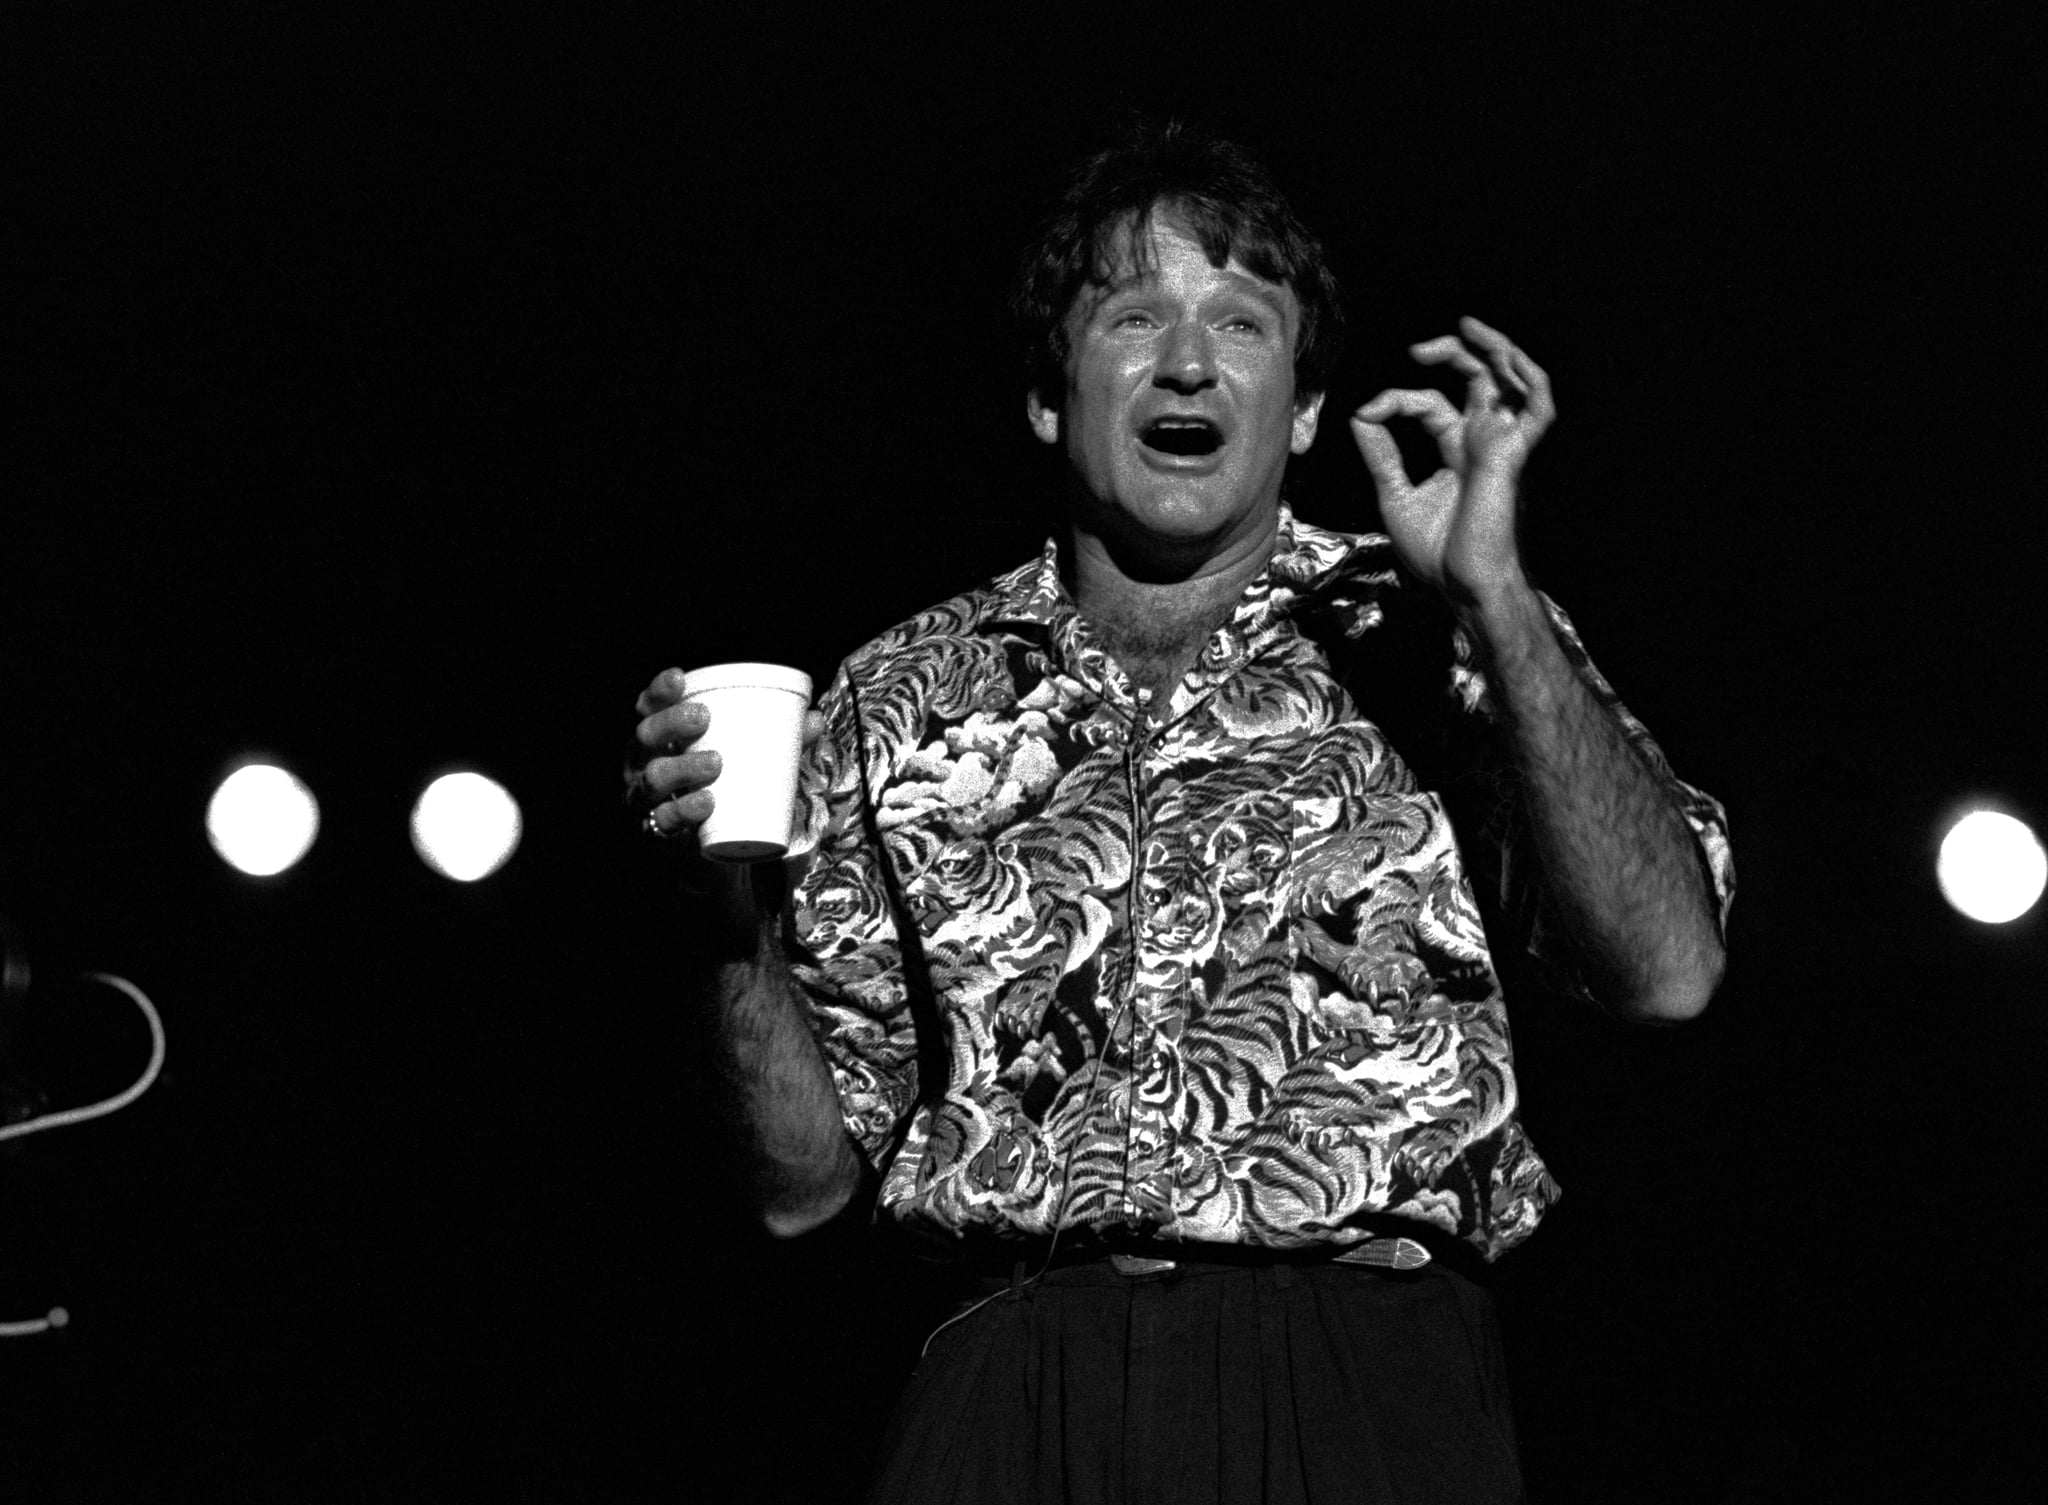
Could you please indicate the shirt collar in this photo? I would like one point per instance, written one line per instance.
(1311, 568)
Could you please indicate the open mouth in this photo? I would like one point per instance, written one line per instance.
(1181, 436)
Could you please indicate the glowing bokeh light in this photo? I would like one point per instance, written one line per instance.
(262, 819)
(1991, 867)
(465, 826)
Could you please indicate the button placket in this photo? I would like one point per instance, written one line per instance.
(1148, 1183)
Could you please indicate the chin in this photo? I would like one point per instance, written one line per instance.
(1169, 543)
(1197, 517)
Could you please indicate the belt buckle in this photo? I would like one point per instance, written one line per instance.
(1138, 1264)
(1386, 1253)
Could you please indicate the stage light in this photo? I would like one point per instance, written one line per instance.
(465, 826)
(262, 819)
(1991, 867)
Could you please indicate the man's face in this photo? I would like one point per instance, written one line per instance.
(1179, 410)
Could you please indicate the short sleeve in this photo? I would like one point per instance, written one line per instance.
(842, 941)
(1529, 908)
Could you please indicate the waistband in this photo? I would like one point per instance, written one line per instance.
(1142, 1259)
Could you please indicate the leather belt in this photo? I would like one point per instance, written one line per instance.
(1383, 1253)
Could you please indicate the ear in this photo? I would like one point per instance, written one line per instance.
(1305, 416)
(1045, 421)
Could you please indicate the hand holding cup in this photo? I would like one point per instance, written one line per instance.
(763, 724)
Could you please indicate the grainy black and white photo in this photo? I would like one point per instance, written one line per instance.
(1204, 756)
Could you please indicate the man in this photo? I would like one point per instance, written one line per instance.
(1132, 952)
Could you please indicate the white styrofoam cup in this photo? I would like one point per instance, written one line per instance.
(757, 727)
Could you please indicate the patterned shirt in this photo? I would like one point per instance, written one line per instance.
(1216, 975)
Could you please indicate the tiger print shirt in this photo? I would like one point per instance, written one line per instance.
(1216, 975)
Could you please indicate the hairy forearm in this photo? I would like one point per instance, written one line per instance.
(779, 1093)
(1618, 858)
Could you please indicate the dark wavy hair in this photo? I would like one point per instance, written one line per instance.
(1221, 192)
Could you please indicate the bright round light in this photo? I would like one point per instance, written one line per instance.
(262, 819)
(465, 826)
(1991, 867)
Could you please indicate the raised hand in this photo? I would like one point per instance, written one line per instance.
(1457, 528)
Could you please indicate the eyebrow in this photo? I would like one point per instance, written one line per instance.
(1271, 294)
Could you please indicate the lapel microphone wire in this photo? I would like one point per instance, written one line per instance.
(58, 1317)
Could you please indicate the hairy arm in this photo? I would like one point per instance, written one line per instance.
(802, 1166)
(1620, 865)
(1618, 858)
(753, 1020)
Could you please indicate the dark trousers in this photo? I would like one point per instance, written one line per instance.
(1212, 1385)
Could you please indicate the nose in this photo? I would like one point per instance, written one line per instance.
(1186, 362)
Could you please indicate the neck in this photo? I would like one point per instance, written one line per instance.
(1154, 620)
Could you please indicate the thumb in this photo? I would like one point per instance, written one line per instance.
(1381, 454)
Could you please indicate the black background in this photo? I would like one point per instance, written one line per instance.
(391, 395)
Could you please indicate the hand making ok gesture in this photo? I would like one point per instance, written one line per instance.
(1457, 528)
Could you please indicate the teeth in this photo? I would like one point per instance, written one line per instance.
(1182, 436)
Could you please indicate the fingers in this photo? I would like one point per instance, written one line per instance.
(672, 728)
(663, 720)
(680, 774)
(660, 767)
(1430, 406)
(685, 813)
(1501, 351)
(665, 690)
(1515, 369)
(1427, 406)
(1481, 390)
(674, 768)
(672, 784)
(665, 775)
(1506, 366)
(1381, 454)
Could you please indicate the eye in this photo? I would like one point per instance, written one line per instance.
(1130, 318)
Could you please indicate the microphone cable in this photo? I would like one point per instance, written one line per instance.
(58, 1316)
(1108, 1036)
